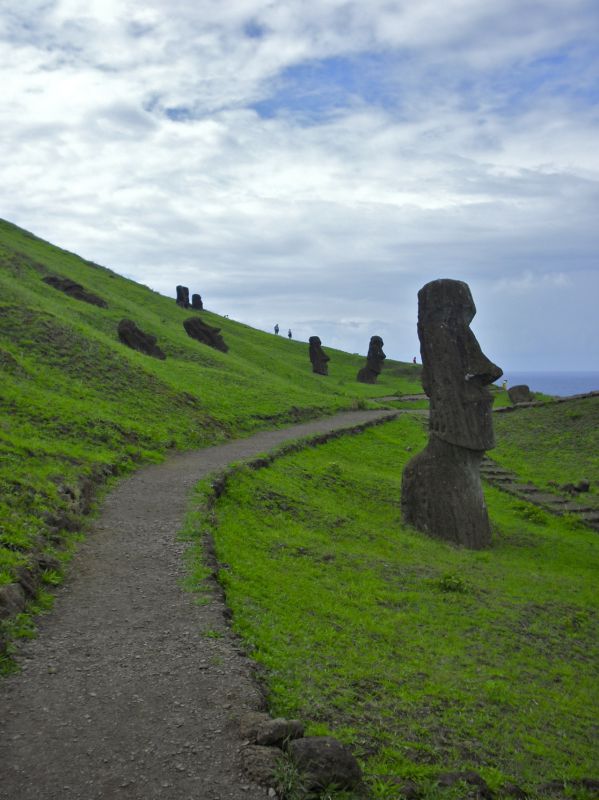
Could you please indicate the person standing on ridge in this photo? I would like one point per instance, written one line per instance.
(277, 329)
(289, 333)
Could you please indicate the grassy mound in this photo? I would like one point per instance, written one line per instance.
(78, 406)
(424, 657)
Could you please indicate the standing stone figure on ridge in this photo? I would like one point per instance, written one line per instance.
(441, 490)
(318, 357)
(182, 296)
(374, 361)
(196, 302)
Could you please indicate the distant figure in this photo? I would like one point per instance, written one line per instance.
(504, 386)
(277, 329)
(289, 333)
(414, 360)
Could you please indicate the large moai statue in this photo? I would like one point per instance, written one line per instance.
(200, 330)
(196, 302)
(441, 491)
(182, 296)
(374, 361)
(318, 357)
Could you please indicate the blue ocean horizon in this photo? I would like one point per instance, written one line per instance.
(560, 384)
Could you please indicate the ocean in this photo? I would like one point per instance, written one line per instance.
(561, 384)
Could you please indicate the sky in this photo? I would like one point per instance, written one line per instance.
(313, 163)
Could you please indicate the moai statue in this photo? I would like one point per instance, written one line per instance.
(196, 302)
(374, 361)
(318, 357)
(441, 492)
(136, 339)
(182, 296)
(200, 330)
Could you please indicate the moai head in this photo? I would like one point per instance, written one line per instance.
(455, 372)
(318, 357)
(375, 356)
(182, 296)
(196, 302)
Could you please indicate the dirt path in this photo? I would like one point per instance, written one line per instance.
(123, 694)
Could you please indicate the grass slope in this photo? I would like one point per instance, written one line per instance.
(424, 657)
(77, 406)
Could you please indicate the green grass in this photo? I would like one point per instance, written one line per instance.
(557, 443)
(78, 408)
(422, 656)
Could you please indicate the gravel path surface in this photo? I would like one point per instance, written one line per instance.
(123, 695)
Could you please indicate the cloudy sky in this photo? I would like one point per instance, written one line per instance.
(315, 162)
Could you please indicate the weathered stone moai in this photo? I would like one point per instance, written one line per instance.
(136, 339)
(200, 330)
(74, 290)
(196, 302)
(441, 491)
(318, 357)
(182, 296)
(374, 361)
(520, 394)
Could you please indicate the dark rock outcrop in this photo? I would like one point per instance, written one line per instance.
(196, 302)
(261, 764)
(136, 339)
(200, 330)
(520, 394)
(74, 290)
(318, 357)
(182, 296)
(441, 489)
(259, 728)
(12, 600)
(324, 761)
(374, 361)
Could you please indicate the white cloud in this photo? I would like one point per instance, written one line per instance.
(129, 133)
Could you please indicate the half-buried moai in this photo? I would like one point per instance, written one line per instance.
(374, 361)
(441, 492)
(520, 394)
(318, 357)
(182, 296)
(196, 302)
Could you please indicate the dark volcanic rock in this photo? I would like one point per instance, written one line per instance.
(374, 361)
(196, 302)
(260, 763)
(136, 339)
(441, 490)
(74, 290)
(12, 600)
(182, 296)
(260, 728)
(520, 394)
(318, 357)
(483, 791)
(323, 761)
(200, 330)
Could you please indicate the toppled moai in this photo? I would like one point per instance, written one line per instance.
(374, 361)
(196, 302)
(182, 296)
(75, 290)
(318, 357)
(441, 491)
(136, 339)
(200, 330)
(520, 394)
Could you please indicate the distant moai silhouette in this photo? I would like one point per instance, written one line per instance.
(318, 357)
(182, 296)
(200, 330)
(374, 361)
(441, 489)
(136, 339)
(196, 302)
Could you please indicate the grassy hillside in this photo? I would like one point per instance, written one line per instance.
(426, 658)
(77, 406)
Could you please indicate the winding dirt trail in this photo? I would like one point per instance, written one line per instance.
(123, 695)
